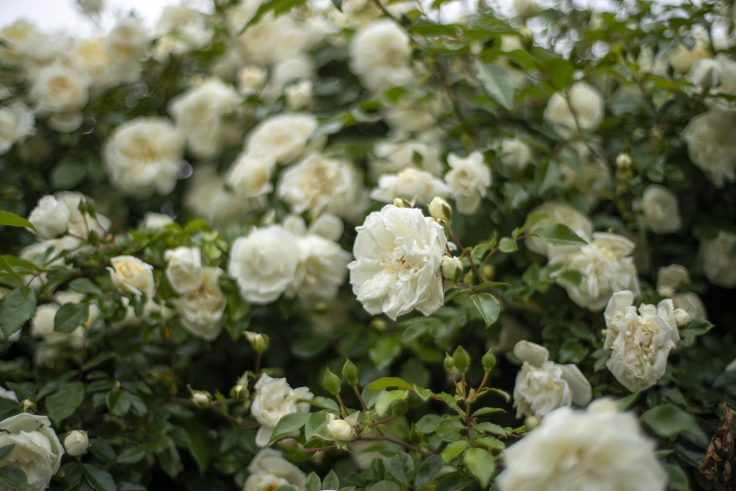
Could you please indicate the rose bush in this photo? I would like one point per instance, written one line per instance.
(367, 245)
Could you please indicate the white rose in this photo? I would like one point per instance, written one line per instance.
(670, 278)
(287, 71)
(410, 184)
(593, 450)
(274, 398)
(16, 123)
(398, 258)
(181, 29)
(126, 43)
(339, 429)
(269, 471)
(515, 154)
(156, 221)
(143, 156)
(250, 176)
(76, 443)
(131, 275)
(468, 180)
(606, 266)
(661, 212)
(208, 197)
(579, 109)
(50, 217)
(59, 89)
(90, 57)
(690, 302)
(526, 8)
(542, 386)
(395, 156)
(184, 268)
(640, 342)
(683, 58)
(711, 146)
(557, 212)
(37, 450)
(321, 184)
(321, 269)
(408, 115)
(201, 309)
(264, 263)
(281, 138)
(199, 114)
(299, 94)
(719, 260)
(379, 55)
(81, 224)
(250, 79)
(25, 45)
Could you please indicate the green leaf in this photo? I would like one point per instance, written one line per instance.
(312, 483)
(390, 383)
(428, 423)
(386, 398)
(488, 307)
(384, 352)
(559, 235)
(383, 486)
(12, 220)
(67, 175)
(199, 448)
(401, 467)
(291, 423)
(428, 470)
(331, 481)
(99, 479)
(453, 449)
(276, 6)
(677, 478)
(507, 245)
(668, 421)
(337, 4)
(16, 308)
(572, 351)
(315, 424)
(65, 401)
(14, 477)
(497, 83)
(84, 285)
(481, 464)
(70, 316)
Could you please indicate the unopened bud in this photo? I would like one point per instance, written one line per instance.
(379, 324)
(489, 361)
(28, 406)
(259, 342)
(488, 272)
(76, 443)
(331, 382)
(452, 268)
(449, 365)
(681, 317)
(623, 161)
(340, 430)
(350, 372)
(531, 422)
(461, 360)
(201, 398)
(440, 210)
(239, 391)
(402, 203)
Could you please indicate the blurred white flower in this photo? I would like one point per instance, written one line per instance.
(281, 138)
(410, 184)
(661, 212)
(571, 450)
(711, 146)
(37, 450)
(321, 269)
(468, 179)
(181, 29)
(719, 259)
(201, 309)
(515, 154)
(264, 263)
(50, 217)
(640, 339)
(557, 212)
(143, 156)
(156, 221)
(251, 79)
(670, 278)
(379, 55)
(184, 268)
(394, 156)
(269, 471)
(606, 267)
(692, 304)
(208, 197)
(199, 114)
(580, 108)
(683, 58)
(543, 386)
(398, 258)
(250, 176)
(299, 94)
(16, 123)
(58, 90)
(274, 398)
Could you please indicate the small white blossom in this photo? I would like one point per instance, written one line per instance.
(719, 259)
(468, 179)
(184, 268)
(76, 443)
(410, 184)
(274, 399)
(16, 123)
(37, 450)
(379, 55)
(131, 275)
(579, 109)
(661, 211)
(282, 138)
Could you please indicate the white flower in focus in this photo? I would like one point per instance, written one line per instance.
(593, 450)
(269, 471)
(711, 145)
(557, 212)
(321, 184)
(515, 154)
(398, 258)
(543, 386)
(410, 184)
(468, 180)
(201, 309)
(37, 450)
(16, 123)
(50, 217)
(184, 268)
(339, 429)
(143, 156)
(274, 398)
(264, 263)
(281, 138)
(606, 265)
(76, 443)
(379, 55)
(579, 109)
(640, 341)
(670, 278)
(250, 176)
(661, 212)
(131, 275)
(719, 259)
(199, 114)
(321, 269)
